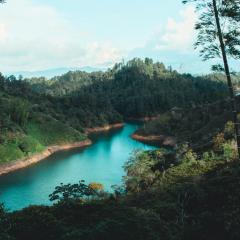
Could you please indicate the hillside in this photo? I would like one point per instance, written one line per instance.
(197, 126)
(70, 104)
(24, 132)
(170, 194)
(135, 89)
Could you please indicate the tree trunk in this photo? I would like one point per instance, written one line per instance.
(229, 80)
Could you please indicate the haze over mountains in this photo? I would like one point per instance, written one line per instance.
(52, 72)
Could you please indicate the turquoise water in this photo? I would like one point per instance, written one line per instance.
(102, 162)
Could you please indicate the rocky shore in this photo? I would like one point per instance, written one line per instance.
(160, 140)
(104, 128)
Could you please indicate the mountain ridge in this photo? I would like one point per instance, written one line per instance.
(52, 72)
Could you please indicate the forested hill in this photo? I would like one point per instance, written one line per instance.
(135, 89)
(167, 195)
(79, 100)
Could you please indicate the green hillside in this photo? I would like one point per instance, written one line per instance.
(189, 192)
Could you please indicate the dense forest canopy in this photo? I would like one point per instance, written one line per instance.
(161, 188)
(190, 191)
(79, 100)
(132, 90)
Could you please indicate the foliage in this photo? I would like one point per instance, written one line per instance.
(10, 152)
(96, 186)
(197, 126)
(218, 36)
(18, 111)
(143, 168)
(69, 104)
(4, 224)
(169, 194)
(58, 132)
(229, 130)
(135, 89)
(208, 36)
(29, 145)
(218, 142)
(68, 192)
(186, 202)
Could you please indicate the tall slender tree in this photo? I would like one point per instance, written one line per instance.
(219, 37)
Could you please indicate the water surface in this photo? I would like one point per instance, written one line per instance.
(101, 162)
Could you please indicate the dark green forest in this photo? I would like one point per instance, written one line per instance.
(188, 192)
(79, 100)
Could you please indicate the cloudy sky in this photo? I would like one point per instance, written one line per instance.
(43, 34)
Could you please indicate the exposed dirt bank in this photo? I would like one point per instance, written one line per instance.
(143, 119)
(19, 164)
(104, 128)
(161, 140)
(35, 158)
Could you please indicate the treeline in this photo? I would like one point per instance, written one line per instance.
(166, 194)
(135, 89)
(79, 100)
(139, 88)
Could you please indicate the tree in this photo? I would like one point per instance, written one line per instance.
(18, 110)
(68, 192)
(219, 37)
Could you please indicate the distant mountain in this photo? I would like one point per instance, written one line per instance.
(49, 73)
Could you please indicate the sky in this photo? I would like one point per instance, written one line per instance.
(45, 34)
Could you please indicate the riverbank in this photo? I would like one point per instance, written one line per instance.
(161, 140)
(35, 158)
(104, 128)
(23, 163)
(143, 119)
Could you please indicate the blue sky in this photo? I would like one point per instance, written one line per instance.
(127, 23)
(43, 34)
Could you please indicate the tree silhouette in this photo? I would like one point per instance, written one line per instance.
(219, 37)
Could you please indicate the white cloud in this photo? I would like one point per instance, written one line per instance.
(177, 35)
(34, 37)
(103, 53)
(173, 44)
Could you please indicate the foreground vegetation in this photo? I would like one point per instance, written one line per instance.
(168, 195)
(190, 192)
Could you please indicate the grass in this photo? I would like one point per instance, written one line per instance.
(39, 132)
(49, 131)
(10, 152)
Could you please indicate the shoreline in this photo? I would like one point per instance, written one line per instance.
(104, 128)
(161, 140)
(38, 157)
(15, 165)
(143, 119)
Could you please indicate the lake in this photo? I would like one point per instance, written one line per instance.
(101, 162)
